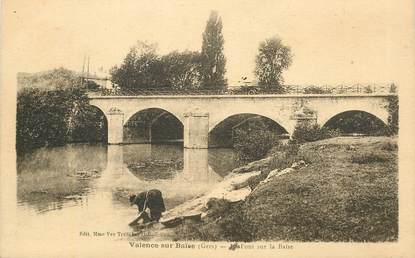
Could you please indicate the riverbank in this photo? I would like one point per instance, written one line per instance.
(347, 190)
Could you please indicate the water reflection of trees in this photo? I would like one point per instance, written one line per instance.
(49, 178)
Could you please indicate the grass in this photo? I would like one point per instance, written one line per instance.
(367, 158)
(332, 199)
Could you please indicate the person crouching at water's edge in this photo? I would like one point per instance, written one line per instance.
(151, 199)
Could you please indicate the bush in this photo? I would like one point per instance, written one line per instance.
(368, 158)
(254, 142)
(310, 133)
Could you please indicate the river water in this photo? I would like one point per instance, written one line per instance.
(84, 188)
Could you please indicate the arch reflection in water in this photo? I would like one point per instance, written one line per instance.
(102, 201)
(179, 173)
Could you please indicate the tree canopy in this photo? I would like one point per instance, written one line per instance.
(273, 57)
(141, 68)
(182, 69)
(213, 61)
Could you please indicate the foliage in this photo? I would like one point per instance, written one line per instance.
(310, 133)
(213, 61)
(60, 78)
(141, 69)
(393, 110)
(55, 117)
(254, 141)
(273, 57)
(182, 69)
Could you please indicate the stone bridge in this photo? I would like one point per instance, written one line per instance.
(199, 114)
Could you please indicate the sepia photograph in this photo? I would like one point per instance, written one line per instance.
(206, 128)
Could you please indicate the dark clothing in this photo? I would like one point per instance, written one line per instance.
(153, 200)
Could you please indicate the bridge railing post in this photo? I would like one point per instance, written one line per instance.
(115, 126)
(196, 130)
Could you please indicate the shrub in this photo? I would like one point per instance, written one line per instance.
(310, 133)
(368, 158)
(254, 142)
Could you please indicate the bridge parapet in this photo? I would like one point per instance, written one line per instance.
(372, 88)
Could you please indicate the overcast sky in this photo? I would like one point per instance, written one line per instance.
(332, 41)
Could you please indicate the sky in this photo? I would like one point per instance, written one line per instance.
(333, 42)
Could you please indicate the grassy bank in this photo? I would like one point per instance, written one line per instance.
(348, 192)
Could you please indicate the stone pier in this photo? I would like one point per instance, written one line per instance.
(115, 118)
(196, 130)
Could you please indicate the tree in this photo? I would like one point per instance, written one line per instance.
(182, 69)
(141, 68)
(212, 70)
(273, 57)
(55, 117)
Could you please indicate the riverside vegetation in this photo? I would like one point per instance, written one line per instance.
(347, 192)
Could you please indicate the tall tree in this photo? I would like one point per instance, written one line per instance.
(273, 57)
(213, 61)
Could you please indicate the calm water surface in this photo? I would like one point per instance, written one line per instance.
(84, 187)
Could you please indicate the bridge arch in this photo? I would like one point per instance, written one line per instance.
(151, 125)
(287, 125)
(100, 109)
(129, 114)
(357, 121)
(93, 126)
(221, 135)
